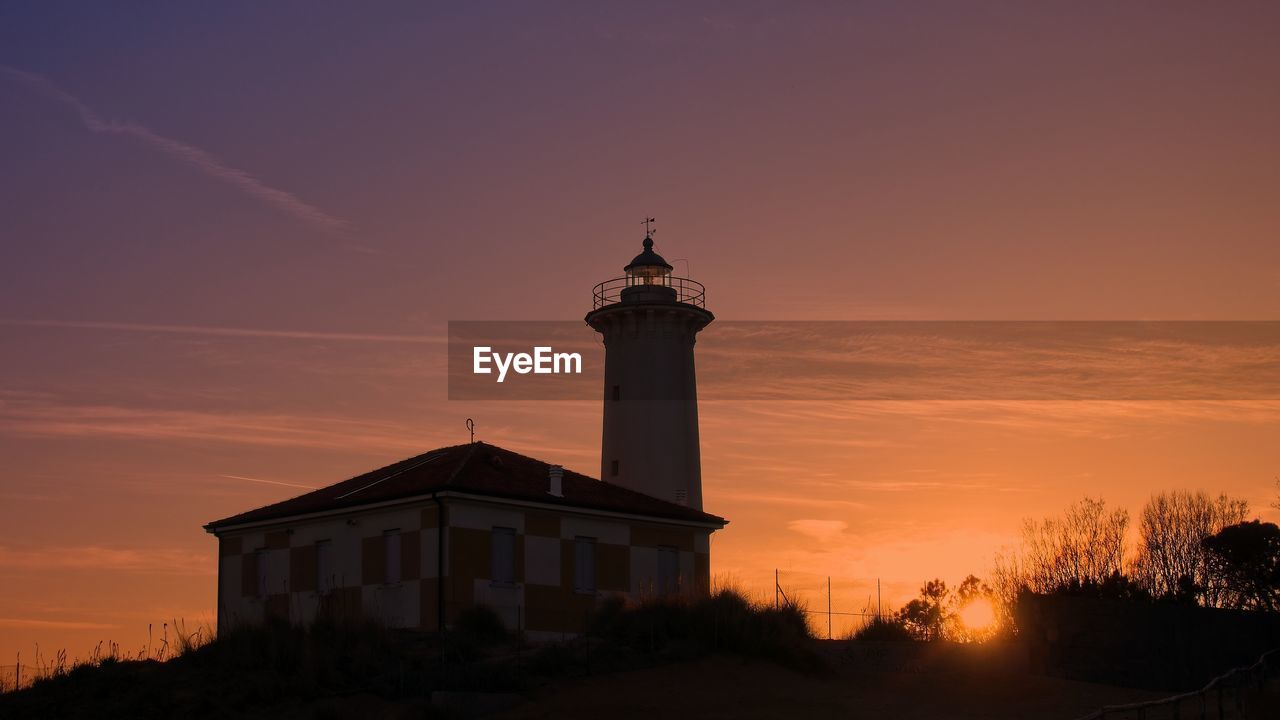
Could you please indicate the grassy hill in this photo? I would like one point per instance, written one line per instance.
(718, 657)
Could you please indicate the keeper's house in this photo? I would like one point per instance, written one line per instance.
(417, 542)
(537, 543)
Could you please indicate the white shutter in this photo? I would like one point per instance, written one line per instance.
(262, 557)
(324, 566)
(392, 540)
(503, 559)
(584, 565)
(668, 570)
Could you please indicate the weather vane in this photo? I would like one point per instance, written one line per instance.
(648, 231)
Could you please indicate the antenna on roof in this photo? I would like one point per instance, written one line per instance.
(648, 231)
(471, 427)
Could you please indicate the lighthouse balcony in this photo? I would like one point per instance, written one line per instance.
(660, 289)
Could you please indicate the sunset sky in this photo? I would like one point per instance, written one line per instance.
(233, 235)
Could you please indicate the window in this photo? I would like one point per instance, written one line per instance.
(391, 540)
(324, 567)
(260, 557)
(584, 565)
(668, 570)
(503, 561)
(613, 468)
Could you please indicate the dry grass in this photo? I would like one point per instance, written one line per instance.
(279, 668)
(173, 640)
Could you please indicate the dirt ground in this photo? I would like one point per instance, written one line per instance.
(727, 687)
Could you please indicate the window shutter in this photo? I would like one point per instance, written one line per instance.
(584, 565)
(503, 559)
(392, 540)
(324, 566)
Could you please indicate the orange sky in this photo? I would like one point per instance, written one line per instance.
(231, 248)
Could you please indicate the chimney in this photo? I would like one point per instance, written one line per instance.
(556, 473)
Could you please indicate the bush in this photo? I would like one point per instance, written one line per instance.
(723, 621)
(482, 625)
(883, 629)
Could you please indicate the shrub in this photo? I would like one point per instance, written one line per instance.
(883, 629)
(482, 625)
(723, 621)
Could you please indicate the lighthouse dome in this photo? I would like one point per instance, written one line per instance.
(647, 259)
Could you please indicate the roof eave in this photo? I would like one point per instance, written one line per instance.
(217, 526)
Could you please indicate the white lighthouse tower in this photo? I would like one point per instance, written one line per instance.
(649, 321)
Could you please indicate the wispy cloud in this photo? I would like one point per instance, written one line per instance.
(185, 153)
(226, 331)
(55, 419)
(772, 500)
(53, 624)
(823, 531)
(268, 482)
(95, 557)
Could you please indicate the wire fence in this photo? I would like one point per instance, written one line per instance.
(838, 623)
(1243, 692)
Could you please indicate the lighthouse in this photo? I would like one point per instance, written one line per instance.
(649, 321)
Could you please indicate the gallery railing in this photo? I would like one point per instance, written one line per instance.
(687, 291)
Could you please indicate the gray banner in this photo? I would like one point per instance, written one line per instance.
(895, 360)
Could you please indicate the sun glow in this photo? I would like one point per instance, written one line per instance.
(978, 616)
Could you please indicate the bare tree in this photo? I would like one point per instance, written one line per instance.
(1083, 548)
(1007, 580)
(1171, 561)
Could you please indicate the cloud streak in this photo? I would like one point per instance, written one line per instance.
(95, 557)
(226, 331)
(246, 428)
(823, 531)
(185, 153)
(53, 624)
(268, 482)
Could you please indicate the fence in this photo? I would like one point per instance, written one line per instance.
(1244, 692)
(851, 618)
(1166, 647)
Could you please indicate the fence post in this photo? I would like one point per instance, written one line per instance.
(828, 607)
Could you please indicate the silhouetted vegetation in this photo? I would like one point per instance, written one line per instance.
(938, 612)
(726, 621)
(1192, 548)
(281, 669)
(482, 625)
(1171, 562)
(883, 629)
(1243, 563)
(1081, 549)
(258, 671)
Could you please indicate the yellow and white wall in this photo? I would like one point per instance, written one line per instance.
(273, 569)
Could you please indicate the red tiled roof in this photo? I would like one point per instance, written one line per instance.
(477, 468)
